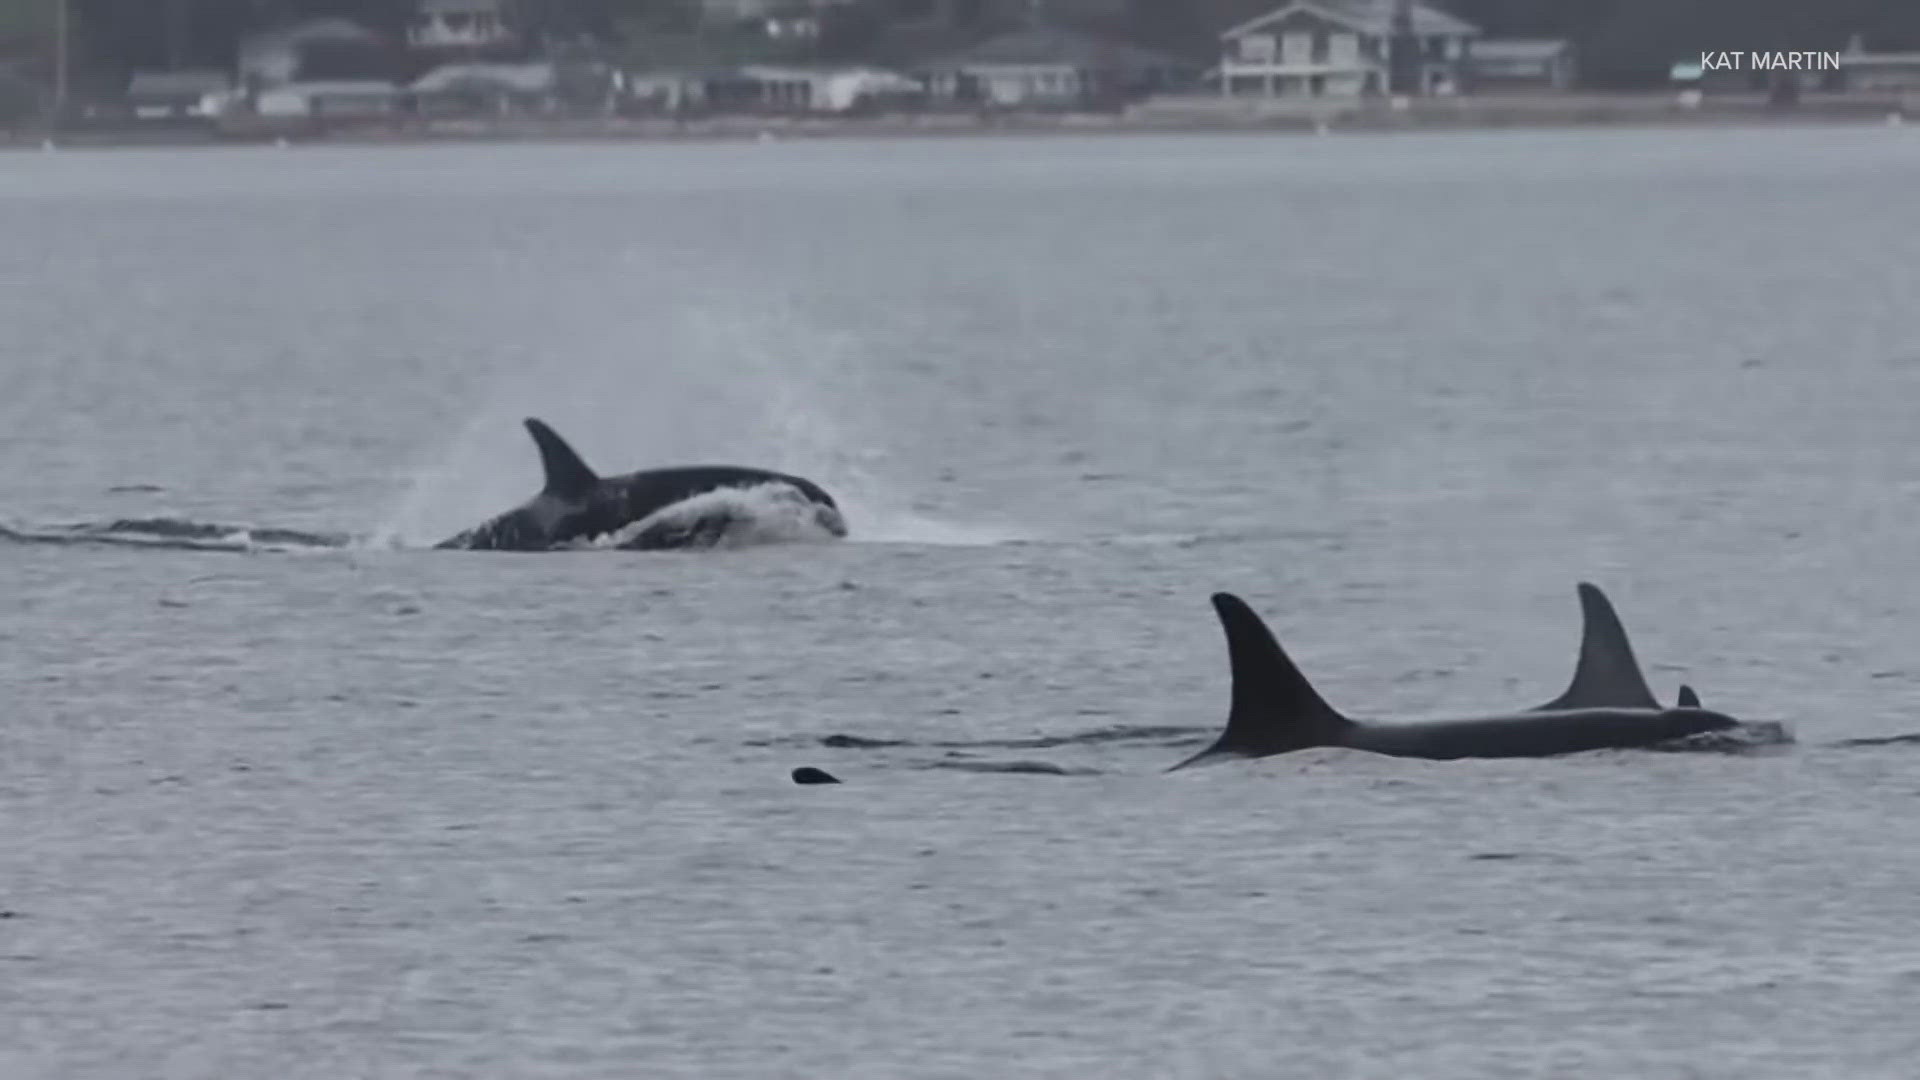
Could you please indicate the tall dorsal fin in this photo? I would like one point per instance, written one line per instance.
(1688, 699)
(1275, 709)
(1607, 676)
(566, 473)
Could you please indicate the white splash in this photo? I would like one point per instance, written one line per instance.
(717, 381)
(736, 517)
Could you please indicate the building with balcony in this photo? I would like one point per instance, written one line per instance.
(1340, 48)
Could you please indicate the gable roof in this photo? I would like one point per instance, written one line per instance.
(1366, 16)
(1053, 46)
(524, 78)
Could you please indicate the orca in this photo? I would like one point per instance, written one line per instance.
(1275, 710)
(1607, 674)
(652, 509)
(807, 774)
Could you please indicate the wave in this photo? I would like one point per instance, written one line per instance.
(1160, 736)
(175, 534)
(1749, 736)
(1880, 740)
(728, 518)
(1020, 768)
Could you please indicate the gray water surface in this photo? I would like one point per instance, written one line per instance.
(327, 804)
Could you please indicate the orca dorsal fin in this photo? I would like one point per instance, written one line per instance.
(1688, 699)
(1607, 675)
(1275, 709)
(566, 473)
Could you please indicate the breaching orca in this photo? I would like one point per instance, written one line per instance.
(649, 510)
(1275, 710)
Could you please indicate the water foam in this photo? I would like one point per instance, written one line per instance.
(730, 518)
(717, 383)
(175, 534)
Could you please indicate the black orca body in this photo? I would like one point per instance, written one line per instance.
(1275, 710)
(577, 504)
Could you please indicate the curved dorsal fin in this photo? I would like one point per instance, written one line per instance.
(1688, 699)
(1607, 676)
(1275, 709)
(566, 473)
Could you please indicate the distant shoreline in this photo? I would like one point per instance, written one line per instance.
(1166, 115)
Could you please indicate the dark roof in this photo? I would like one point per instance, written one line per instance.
(1052, 46)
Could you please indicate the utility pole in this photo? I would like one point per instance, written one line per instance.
(1403, 53)
(60, 44)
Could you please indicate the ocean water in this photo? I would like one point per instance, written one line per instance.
(285, 793)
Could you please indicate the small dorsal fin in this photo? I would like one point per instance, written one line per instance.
(566, 473)
(1607, 676)
(1275, 709)
(807, 774)
(1688, 699)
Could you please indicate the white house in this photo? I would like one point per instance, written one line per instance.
(759, 87)
(341, 97)
(1339, 48)
(1521, 64)
(167, 94)
(770, 11)
(1049, 67)
(1881, 72)
(502, 89)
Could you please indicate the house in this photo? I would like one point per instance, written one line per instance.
(460, 26)
(469, 89)
(1009, 12)
(1866, 72)
(780, 16)
(1340, 48)
(768, 88)
(1521, 64)
(160, 95)
(665, 91)
(1049, 67)
(331, 98)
